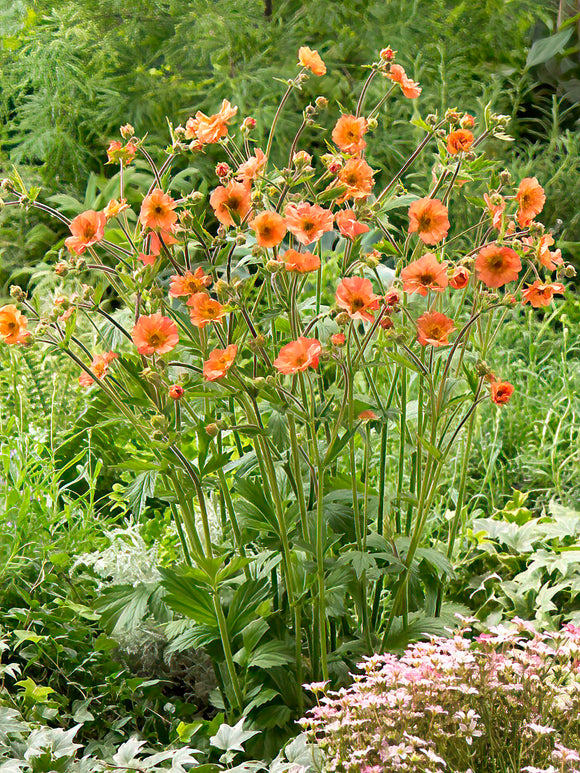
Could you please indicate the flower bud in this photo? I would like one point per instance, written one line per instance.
(302, 158)
(176, 391)
(386, 322)
(222, 169)
(342, 318)
(452, 115)
(61, 269)
(321, 103)
(505, 177)
(338, 339)
(127, 131)
(387, 54)
(274, 266)
(248, 124)
(212, 429)
(372, 124)
(17, 293)
(467, 121)
(569, 271)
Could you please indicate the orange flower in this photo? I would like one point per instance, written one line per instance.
(348, 225)
(425, 274)
(459, 141)
(501, 391)
(220, 361)
(270, 228)
(368, 415)
(550, 260)
(355, 295)
(397, 74)
(115, 208)
(175, 391)
(539, 294)
(232, 203)
(348, 133)
(251, 168)
(157, 211)
(205, 310)
(433, 328)
(429, 218)
(495, 266)
(311, 60)
(459, 278)
(117, 152)
(189, 283)
(308, 221)
(13, 325)
(298, 355)
(155, 334)
(148, 260)
(301, 262)
(87, 229)
(496, 206)
(531, 199)
(210, 129)
(357, 175)
(99, 368)
(155, 241)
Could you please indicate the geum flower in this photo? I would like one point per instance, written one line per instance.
(13, 325)
(155, 334)
(157, 211)
(495, 266)
(99, 368)
(307, 222)
(434, 328)
(539, 294)
(459, 141)
(409, 87)
(210, 129)
(250, 169)
(309, 58)
(115, 207)
(298, 356)
(547, 258)
(531, 199)
(204, 310)
(459, 278)
(428, 217)
(348, 225)
(87, 229)
(501, 391)
(270, 228)
(300, 262)
(189, 284)
(357, 176)
(231, 203)
(425, 274)
(348, 133)
(355, 295)
(219, 362)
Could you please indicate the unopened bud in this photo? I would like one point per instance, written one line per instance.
(342, 318)
(127, 131)
(212, 429)
(222, 169)
(569, 271)
(248, 124)
(321, 103)
(467, 121)
(387, 54)
(176, 391)
(61, 269)
(338, 339)
(505, 177)
(17, 293)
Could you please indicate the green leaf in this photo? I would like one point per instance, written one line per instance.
(188, 597)
(271, 654)
(546, 48)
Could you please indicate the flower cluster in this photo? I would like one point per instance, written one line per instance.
(506, 700)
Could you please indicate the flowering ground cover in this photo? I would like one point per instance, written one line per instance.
(290, 367)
